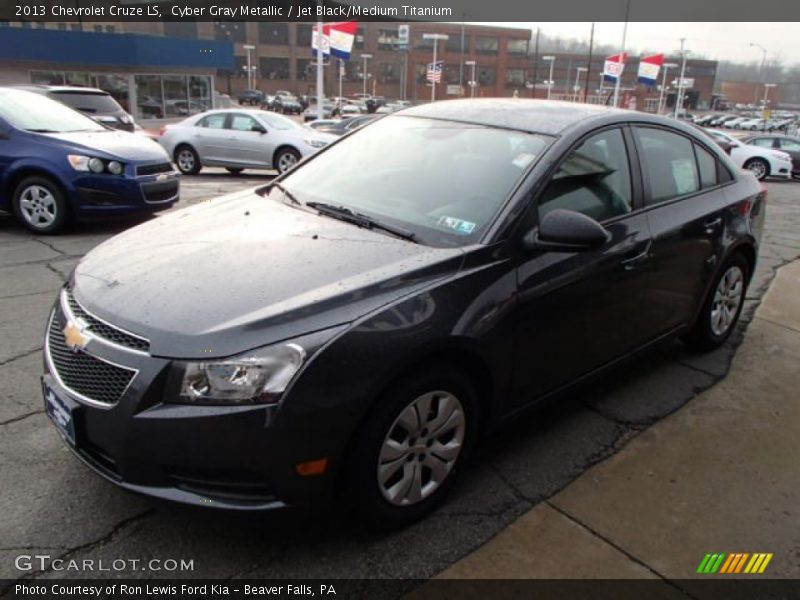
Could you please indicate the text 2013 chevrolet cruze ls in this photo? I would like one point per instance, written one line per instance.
(354, 325)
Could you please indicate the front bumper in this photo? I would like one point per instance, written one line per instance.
(238, 457)
(98, 195)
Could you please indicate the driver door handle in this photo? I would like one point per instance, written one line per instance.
(712, 224)
(631, 263)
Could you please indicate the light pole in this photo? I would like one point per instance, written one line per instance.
(763, 61)
(249, 48)
(666, 67)
(765, 101)
(365, 58)
(550, 81)
(679, 99)
(435, 37)
(472, 83)
(577, 87)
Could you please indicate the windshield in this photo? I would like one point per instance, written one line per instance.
(34, 112)
(277, 121)
(441, 180)
(88, 102)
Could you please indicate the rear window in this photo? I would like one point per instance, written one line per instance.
(88, 102)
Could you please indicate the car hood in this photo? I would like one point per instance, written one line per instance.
(119, 144)
(244, 271)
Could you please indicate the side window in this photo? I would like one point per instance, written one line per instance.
(708, 167)
(243, 123)
(763, 142)
(594, 179)
(213, 121)
(668, 163)
(790, 145)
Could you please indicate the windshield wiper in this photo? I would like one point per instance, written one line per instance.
(286, 193)
(346, 214)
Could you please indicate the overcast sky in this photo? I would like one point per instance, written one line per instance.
(720, 41)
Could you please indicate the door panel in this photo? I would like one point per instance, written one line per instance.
(248, 147)
(209, 137)
(577, 311)
(686, 223)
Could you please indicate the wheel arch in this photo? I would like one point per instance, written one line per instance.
(281, 148)
(16, 176)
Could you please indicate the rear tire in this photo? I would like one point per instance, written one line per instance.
(721, 310)
(403, 462)
(40, 205)
(285, 159)
(186, 160)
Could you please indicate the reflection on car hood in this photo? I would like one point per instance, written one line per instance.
(245, 271)
(120, 144)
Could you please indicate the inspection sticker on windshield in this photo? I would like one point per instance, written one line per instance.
(523, 159)
(457, 225)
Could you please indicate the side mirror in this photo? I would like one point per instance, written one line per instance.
(566, 231)
(258, 128)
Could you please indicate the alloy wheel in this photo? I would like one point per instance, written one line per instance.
(186, 160)
(727, 298)
(421, 448)
(758, 168)
(286, 161)
(38, 206)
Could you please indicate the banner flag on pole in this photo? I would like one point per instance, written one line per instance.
(613, 67)
(649, 66)
(434, 72)
(336, 39)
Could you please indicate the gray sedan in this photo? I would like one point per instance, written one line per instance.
(239, 139)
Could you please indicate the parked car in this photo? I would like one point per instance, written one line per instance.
(720, 121)
(784, 143)
(251, 97)
(287, 105)
(92, 102)
(239, 139)
(734, 123)
(311, 113)
(353, 326)
(57, 164)
(343, 126)
(706, 119)
(762, 162)
(350, 110)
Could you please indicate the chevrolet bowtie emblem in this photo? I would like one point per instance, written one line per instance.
(74, 337)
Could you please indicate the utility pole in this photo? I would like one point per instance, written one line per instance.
(589, 66)
(666, 67)
(535, 64)
(622, 53)
(679, 99)
(320, 85)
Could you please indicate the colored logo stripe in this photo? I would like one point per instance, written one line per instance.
(734, 563)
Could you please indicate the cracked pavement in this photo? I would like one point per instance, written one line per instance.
(54, 505)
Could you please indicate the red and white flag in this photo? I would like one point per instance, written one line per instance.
(614, 66)
(649, 66)
(336, 38)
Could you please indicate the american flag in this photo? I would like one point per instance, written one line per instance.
(435, 72)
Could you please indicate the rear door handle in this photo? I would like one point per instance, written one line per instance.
(631, 263)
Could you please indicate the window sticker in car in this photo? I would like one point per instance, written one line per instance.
(683, 174)
(457, 225)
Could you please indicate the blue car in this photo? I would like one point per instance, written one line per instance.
(58, 165)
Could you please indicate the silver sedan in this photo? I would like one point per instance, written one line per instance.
(239, 139)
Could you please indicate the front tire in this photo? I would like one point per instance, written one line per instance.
(285, 159)
(40, 205)
(186, 160)
(758, 167)
(408, 452)
(722, 308)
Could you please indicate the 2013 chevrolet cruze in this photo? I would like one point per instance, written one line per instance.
(355, 324)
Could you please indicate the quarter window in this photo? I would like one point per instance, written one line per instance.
(594, 179)
(669, 164)
(790, 145)
(763, 142)
(213, 121)
(708, 167)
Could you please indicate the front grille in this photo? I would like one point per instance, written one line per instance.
(103, 330)
(82, 373)
(153, 169)
(160, 192)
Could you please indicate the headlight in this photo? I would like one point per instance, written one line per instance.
(95, 165)
(316, 143)
(251, 380)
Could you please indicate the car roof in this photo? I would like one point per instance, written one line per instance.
(39, 88)
(536, 116)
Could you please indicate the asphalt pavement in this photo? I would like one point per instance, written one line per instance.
(51, 504)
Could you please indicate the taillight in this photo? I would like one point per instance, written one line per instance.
(162, 131)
